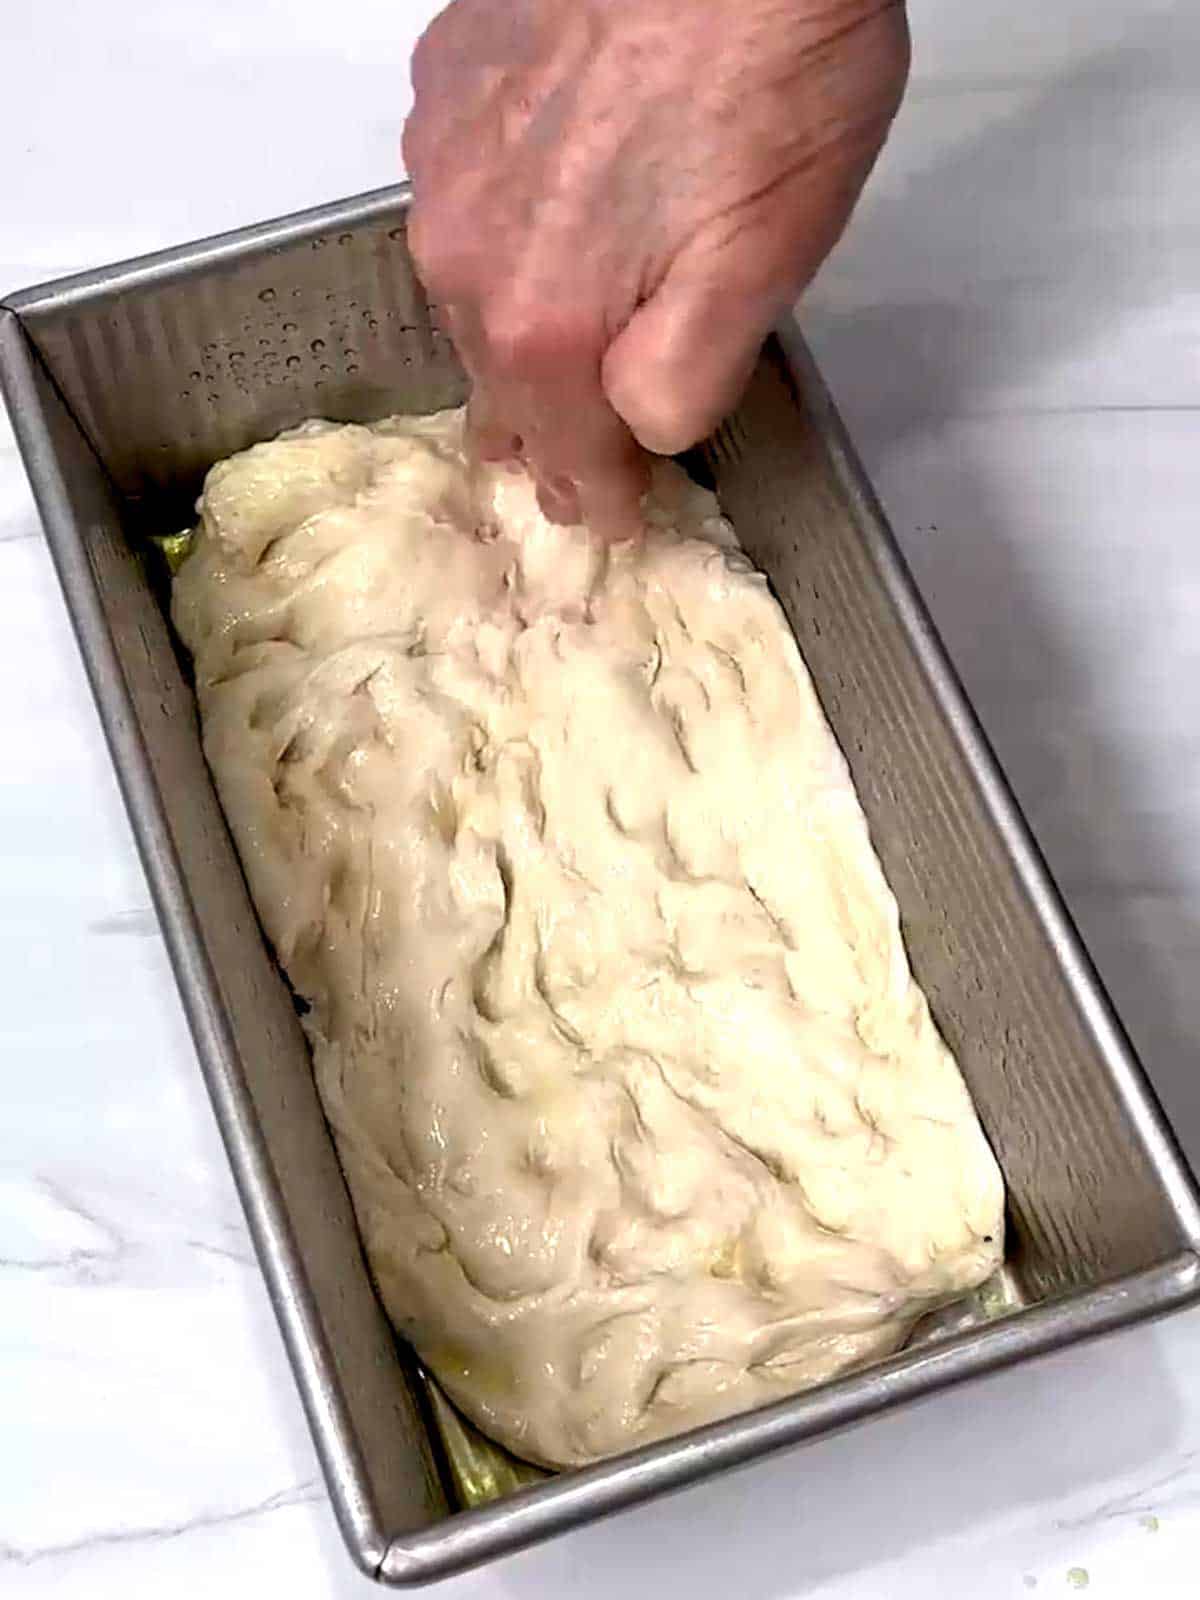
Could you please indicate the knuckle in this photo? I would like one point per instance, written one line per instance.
(426, 56)
(525, 339)
(512, 338)
(421, 241)
(434, 251)
(412, 145)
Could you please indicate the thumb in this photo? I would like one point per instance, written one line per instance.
(679, 365)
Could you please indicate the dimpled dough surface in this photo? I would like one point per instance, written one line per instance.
(644, 1117)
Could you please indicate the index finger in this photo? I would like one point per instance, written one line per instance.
(538, 380)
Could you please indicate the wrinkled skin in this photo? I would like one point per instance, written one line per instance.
(614, 200)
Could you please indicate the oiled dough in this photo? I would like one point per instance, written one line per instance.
(644, 1117)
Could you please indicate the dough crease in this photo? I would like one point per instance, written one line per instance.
(644, 1117)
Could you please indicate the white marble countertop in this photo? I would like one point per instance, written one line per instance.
(1013, 329)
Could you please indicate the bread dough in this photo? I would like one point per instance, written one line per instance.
(644, 1117)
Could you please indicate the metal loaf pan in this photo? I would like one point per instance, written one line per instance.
(124, 385)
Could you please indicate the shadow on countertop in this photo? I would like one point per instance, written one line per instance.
(1018, 205)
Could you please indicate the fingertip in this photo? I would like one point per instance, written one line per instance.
(666, 403)
(558, 500)
(612, 505)
(680, 364)
(488, 438)
(643, 396)
(616, 525)
(496, 444)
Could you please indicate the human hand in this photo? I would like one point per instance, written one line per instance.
(614, 201)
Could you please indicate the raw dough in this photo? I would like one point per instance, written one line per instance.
(644, 1117)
